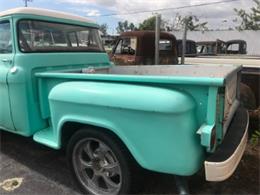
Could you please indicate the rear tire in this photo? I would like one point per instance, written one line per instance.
(100, 163)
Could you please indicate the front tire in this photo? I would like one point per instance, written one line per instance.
(99, 162)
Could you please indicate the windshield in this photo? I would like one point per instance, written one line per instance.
(40, 36)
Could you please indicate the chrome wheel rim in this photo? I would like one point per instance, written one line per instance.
(97, 167)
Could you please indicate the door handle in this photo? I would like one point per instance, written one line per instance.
(13, 70)
(7, 60)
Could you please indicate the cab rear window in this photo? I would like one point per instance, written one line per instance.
(41, 36)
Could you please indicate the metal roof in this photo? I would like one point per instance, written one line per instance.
(44, 12)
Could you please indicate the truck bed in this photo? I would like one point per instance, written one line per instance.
(220, 71)
(193, 74)
(194, 79)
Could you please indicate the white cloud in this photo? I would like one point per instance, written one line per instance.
(85, 2)
(92, 12)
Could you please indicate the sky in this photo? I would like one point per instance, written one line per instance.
(219, 16)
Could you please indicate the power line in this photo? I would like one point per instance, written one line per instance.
(165, 9)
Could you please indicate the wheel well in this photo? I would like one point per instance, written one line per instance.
(69, 128)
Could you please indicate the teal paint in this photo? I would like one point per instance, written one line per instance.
(206, 131)
(6, 63)
(147, 126)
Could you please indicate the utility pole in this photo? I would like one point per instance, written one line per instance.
(157, 38)
(26, 2)
(186, 20)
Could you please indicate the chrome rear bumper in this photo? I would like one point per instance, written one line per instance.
(221, 165)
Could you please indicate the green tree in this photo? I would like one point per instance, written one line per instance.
(103, 28)
(125, 26)
(193, 23)
(132, 27)
(148, 24)
(249, 21)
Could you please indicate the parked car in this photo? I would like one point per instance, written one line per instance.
(236, 47)
(58, 86)
(207, 48)
(220, 47)
(191, 48)
(138, 48)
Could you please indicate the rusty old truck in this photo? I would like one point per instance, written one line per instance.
(138, 48)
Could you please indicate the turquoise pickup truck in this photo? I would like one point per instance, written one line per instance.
(58, 86)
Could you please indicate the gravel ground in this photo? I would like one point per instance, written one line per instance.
(44, 171)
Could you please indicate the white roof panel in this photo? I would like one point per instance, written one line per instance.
(45, 12)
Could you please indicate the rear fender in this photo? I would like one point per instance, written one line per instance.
(148, 120)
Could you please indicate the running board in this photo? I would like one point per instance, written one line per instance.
(47, 138)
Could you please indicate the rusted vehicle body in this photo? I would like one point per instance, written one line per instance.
(207, 48)
(219, 47)
(251, 77)
(250, 81)
(191, 50)
(138, 48)
(250, 94)
(236, 47)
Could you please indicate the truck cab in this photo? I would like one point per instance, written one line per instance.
(6, 62)
(26, 42)
(138, 47)
(236, 47)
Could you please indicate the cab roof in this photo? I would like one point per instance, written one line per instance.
(44, 12)
(146, 43)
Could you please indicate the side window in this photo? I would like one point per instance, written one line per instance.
(118, 47)
(199, 48)
(5, 38)
(233, 47)
(126, 46)
(73, 39)
(165, 45)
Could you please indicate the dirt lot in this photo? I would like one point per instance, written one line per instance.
(43, 171)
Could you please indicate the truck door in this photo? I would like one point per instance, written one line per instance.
(125, 51)
(6, 62)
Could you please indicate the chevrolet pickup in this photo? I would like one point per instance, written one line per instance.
(58, 86)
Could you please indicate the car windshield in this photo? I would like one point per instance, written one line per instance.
(40, 36)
